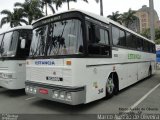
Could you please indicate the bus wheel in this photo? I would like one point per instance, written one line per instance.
(150, 72)
(110, 86)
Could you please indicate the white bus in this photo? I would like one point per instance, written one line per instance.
(14, 48)
(78, 57)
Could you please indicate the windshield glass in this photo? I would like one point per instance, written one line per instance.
(58, 38)
(10, 44)
(5, 45)
(13, 44)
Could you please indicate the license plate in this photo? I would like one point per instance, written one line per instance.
(54, 78)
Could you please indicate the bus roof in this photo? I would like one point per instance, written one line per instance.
(97, 17)
(17, 28)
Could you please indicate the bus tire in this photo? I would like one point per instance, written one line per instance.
(150, 72)
(111, 87)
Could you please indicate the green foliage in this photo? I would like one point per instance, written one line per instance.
(126, 18)
(31, 8)
(15, 18)
(157, 36)
(157, 41)
(115, 17)
(57, 3)
(157, 33)
(146, 33)
(47, 3)
(68, 1)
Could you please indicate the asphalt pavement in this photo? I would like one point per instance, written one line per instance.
(142, 97)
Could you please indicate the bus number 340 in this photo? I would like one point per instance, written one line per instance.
(100, 91)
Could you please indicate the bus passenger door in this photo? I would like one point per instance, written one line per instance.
(24, 52)
(99, 53)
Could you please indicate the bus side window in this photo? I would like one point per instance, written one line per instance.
(98, 43)
(104, 37)
(115, 35)
(145, 46)
(154, 48)
(119, 37)
(91, 38)
(89, 33)
(139, 44)
(122, 38)
(134, 42)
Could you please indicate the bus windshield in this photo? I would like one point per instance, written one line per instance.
(57, 38)
(10, 45)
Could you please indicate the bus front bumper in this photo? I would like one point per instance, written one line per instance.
(8, 83)
(67, 95)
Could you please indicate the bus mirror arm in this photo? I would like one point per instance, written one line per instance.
(23, 43)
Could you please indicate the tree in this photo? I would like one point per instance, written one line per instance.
(101, 6)
(157, 41)
(49, 3)
(15, 18)
(146, 33)
(115, 17)
(157, 36)
(68, 1)
(31, 8)
(58, 3)
(157, 33)
(128, 17)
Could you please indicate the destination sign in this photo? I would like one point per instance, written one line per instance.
(46, 21)
(58, 17)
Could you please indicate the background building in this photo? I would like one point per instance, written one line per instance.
(144, 19)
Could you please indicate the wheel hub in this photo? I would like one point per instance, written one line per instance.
(110, 85)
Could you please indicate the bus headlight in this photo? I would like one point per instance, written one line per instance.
(62, 95)
(27, 88)
(55, 94)
(69, 96)
(31, 89)
(34, 90)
